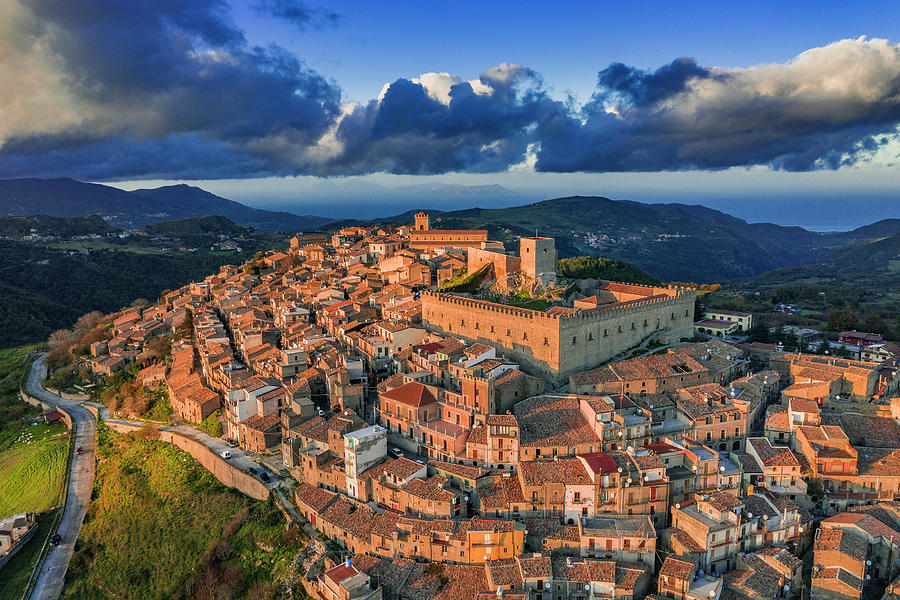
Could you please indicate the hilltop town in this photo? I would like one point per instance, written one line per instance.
(463, 422)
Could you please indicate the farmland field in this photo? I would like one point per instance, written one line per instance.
(32, 468)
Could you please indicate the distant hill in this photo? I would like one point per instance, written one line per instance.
(42, 225)
(131, 210)
(47, 285)
(672, 242)
(874, 265)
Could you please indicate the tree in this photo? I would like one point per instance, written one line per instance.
(874, 324)
(187, 326)
(760, 332)
(842, 319)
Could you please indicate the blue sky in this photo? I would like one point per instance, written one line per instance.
(567, 42)
(768, 110)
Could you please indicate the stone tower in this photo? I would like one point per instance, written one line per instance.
(422, 221)
(538, 256)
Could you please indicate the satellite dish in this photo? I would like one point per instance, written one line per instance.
(466, 498)
(546, 585)
(678, 505)
(587, 588)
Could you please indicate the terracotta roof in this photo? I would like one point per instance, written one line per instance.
(553, 421)
(412, 394)
(773, 456)
(842, 541)
(569, 471)
(676, 568)
(599, 462)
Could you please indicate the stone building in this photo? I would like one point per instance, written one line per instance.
(561, 340)
(423, 237)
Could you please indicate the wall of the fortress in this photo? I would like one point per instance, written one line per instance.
(505, 266)
(594, 337)
(544, 343)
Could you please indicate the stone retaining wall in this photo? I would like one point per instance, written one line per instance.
(20, 543)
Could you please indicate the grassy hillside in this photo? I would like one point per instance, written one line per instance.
(161, 527)
(33, 468)
(30, 473)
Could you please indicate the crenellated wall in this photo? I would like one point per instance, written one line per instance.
(558, 344)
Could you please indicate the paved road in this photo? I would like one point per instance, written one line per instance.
(81, 481)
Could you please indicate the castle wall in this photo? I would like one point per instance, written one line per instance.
(544, 342)
(438, 238)
(505, 266)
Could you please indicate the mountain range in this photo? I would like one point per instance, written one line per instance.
(65, 197)
(672, 242)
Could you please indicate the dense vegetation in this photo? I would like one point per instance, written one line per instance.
(589, 267)
(161, 526)
(16, 227)
(43, 289)
(211, 424)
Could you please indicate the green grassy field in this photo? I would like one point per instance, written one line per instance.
(32, 457)
(33, 468)
(161, 526)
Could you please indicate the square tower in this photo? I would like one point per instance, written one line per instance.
(538, 256)
(422, 221)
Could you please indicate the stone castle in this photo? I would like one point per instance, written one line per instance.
(562, 340)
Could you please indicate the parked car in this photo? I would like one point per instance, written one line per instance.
(264, 476)
(55, 539)
(396, 452)
(226, 454)
(251, 470)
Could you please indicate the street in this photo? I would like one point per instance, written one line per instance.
(81, 480)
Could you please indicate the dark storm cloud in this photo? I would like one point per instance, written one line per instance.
(829, 107)
(408, 131)
(298, 13)
(153, 72)
(104, 89)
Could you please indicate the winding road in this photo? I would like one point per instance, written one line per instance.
(49, 583)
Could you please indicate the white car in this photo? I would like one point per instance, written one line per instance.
(226, 454)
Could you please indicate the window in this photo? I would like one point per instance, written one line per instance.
(492, 329)
(606, 333)
(590, 336)
(546, 342)
(462, 322)
(476, 325)
(574, 340)
(632, 325)
(508, 332)
(524, 336)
